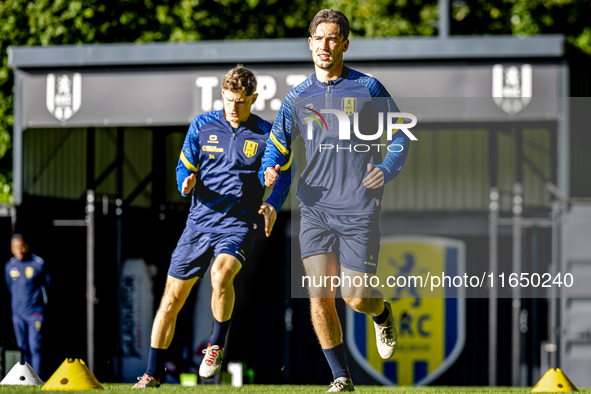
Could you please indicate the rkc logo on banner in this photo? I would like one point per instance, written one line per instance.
(63, 99)
(431, 326)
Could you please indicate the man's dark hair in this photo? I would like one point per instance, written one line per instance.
(239, 79)
(18, 236)
(331, 16)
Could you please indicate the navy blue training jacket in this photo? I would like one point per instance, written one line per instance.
(333, 180)
(26, 282)
(227, 195)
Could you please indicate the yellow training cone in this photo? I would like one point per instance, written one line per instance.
(554, 382)
(73, 374)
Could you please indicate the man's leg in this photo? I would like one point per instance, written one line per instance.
(20, 333)
(175, 295)
(324, 314)
(362, 299)
(370, 301)
(35, 338)
(322, 305)
(223, 271)
(359, 250)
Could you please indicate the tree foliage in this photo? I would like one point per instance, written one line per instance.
(60, 22)
(525, 17)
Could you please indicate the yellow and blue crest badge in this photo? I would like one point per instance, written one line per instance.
(431, 324)
(29, 272)
(250, 148)
(349, 105)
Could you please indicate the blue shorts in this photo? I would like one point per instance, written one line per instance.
(192, 255)
(355, 239)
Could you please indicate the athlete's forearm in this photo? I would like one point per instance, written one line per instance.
(271, 158)
(182, 173)
(396, 156)
(282, 186)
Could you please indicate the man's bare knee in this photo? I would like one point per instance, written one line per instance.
(175, 294)
(170, 305)
(223, 272)
(222, 279)
(358, 304)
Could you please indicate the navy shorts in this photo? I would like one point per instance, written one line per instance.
(355, 239)
(193, 253)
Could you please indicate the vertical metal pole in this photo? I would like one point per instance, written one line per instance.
(564, 186)
(90, 158)
(118, 212)
(535, 375)
(493, 247)
(552, 313)
(564, 132)
(444, 18)
(493, 291)
(90, 289)
(17, 140)
(517, 211)
(515, 331)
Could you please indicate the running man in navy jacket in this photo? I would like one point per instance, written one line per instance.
(28, 281)
(218, 168)
(342, 185)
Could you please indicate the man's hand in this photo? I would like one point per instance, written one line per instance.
(270, 216)
(375, 178)
(271, 174)
(189, 184)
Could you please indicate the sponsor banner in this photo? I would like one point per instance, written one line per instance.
(174, 97)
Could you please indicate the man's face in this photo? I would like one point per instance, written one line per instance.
(19, 248)
(327, 45)
(237, 105)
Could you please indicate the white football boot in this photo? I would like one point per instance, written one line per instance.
(146, 381)
(341, 385)
(212, 362)
(387, 335)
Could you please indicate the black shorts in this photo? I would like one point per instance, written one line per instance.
(194, 251)
(355, 239)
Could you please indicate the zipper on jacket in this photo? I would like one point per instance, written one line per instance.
(232, 146)
(328, 101)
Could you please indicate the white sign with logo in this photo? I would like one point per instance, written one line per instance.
(64, 95)
(512, 87)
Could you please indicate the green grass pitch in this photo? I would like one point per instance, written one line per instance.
(118, 388)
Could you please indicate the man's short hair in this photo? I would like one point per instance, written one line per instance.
(18, 236)
(239, 79)
(331, 16)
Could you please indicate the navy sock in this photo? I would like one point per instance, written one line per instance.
(382, 317)
(218, 337)
(156, 362)
(336, 360)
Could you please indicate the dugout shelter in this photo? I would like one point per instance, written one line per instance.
(111, 119)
